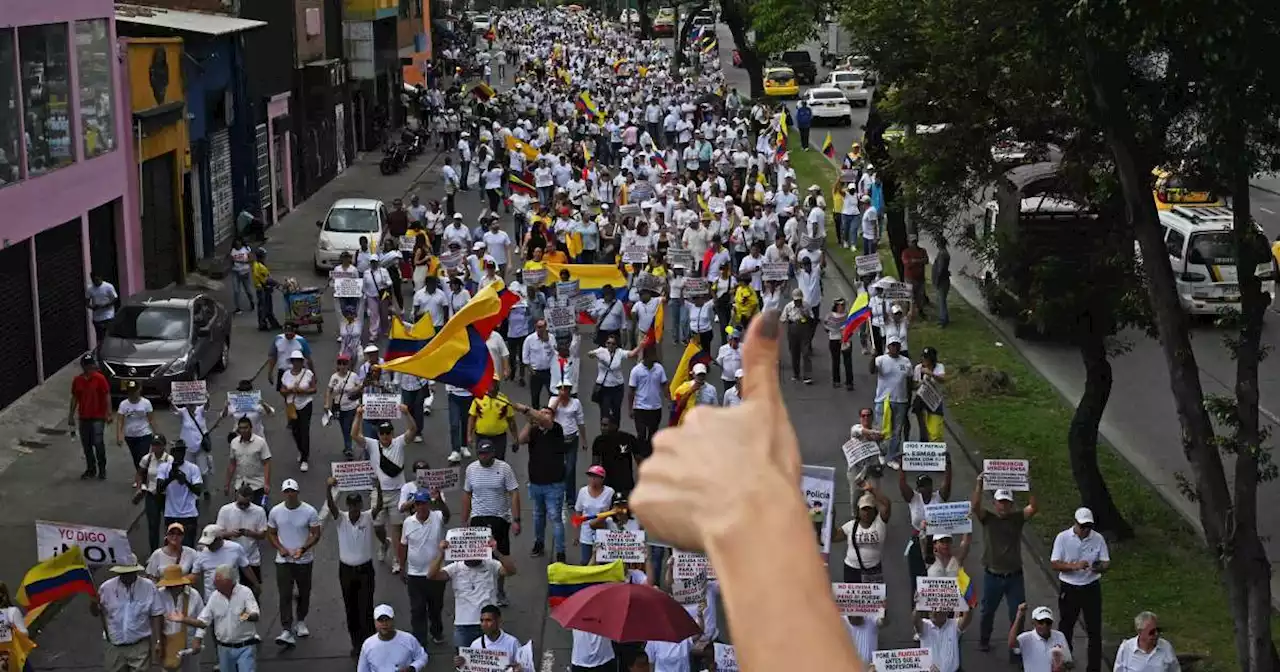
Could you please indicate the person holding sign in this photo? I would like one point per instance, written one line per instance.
(419, 545)
(940, 633)
(865, 535)
(491, 498)
(927, 378)
(891, 401)
(840, 349)
(492, 638)
(390, 649)
(920, 557)
(355, 558)
(1001, 555)
(386, 453)
(475, 585)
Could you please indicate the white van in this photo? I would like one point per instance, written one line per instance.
(1202, 251)
(348, 220)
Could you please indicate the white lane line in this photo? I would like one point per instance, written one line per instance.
(1267, 210)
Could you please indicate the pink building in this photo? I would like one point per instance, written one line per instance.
(64, 196)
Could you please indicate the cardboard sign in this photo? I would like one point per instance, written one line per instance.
(355, 476)
(818, 487)
(446, 479)
(775, 271)
(868, 264)
(468, 543)
(184, 392)
(635, 254)
(903, 660)
(381, 406)
(534, 277)
(484, 660)
(584, 303)
(680, 258)
(921, 456)
(726, 658)
(897, 291)
(947, 518)
(857, 451)
(629, 210)
(1006, 475)
(623, 545)
(930, 395)
(939, 593)
(101, 546)
(347, 288)
(561, 317)
(688, 565)
(695, 287)
(407, 242)
(452, 260)
(835, 322)
(243, 403)
(650, 283)
(565, 291)
(689, 591)
(859, 599)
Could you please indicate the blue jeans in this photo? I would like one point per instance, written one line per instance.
(994, 587)
(463, 635)
(243, 659)
(266, 313)
(571, 469)
(944, 317)
(587, 551)
(241, 283)
(458, 409)
(345, 420)
(676, 311)
(868, 246)
(546, 501)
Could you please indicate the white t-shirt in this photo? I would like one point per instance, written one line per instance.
(669, 656)
(497, 244)
(891, 378)
(303, 380)
(422, 542)
(355, 540)
(943, 643)
(869, 540)
(292, 527)
(473, 588)
(570, 416)
(394, 453)
(648, 384)
(207, 560)
(179, 500)
(1037, 652)
(590, 506)
(253, 518)
(135, 417)
(103, 301)
(590, 650)
(160, 559)
(498, 350)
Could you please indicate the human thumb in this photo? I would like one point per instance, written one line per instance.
(760, 360)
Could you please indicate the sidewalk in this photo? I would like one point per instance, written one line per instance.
(1266, 182)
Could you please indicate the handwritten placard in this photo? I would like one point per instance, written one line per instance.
(680, 258)
(930, 395)
(346, 288)
(182, 392)
(775, 271)
(689, 591)
(696, 287)
(381, 406)
(354, 476)
(534, 277)
(629, 210)
(835, 322)
(868, 264)
(635, 254)
(726, 658)
(446, 479)
(468, 543)
(896, 291)
(451, 260)
(903, 660)
(859, 599)
(584, 302)
(647, 282)
(100, 546)
(857, 451)
(624, 545)
(947, 518)
(242, 403)
(484, 660)
(565, 291)
(1006, 475)
(939, 593)
(407, 242)
(922, 456)
(691, 565)
(561, 317)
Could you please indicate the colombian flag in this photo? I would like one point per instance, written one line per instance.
(407, 340)
(63, 575)
(654, 334)
(565, 580)
(859, 313)
(693, 354)
(828, 148)
(521, 185)
(657, 160)
(592, 279)
(710, 46)
(457, 355)
(482, 91)
(514, 145)
(585, 103)
(966, 589)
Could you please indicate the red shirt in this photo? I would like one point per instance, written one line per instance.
(913, 263)
(92, 395)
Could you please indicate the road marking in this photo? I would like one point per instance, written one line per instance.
(1267, 210)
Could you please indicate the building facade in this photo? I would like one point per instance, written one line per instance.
(371, 45)
(64, 185)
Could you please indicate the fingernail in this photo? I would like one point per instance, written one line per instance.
(769, 326)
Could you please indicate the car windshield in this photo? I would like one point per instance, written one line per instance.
(826, 95)
(796, 56)
(780, 75)
(1219, 248)
(481, 19)
(352, 220)
(152, 323)
(847, 78)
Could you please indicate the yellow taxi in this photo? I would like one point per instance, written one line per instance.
(1171, 189)
(781, 83)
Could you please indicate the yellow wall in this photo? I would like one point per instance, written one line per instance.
(366, 10)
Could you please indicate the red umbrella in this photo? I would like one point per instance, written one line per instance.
(626, 612)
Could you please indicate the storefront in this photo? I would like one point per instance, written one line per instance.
(66, 192)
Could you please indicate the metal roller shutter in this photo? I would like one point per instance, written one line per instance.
(263, 147)
(64, 324)
(224, 213)
(18, 338)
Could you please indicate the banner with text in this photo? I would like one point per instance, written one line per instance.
(1006, 475)
(903, 660)
(939, 593)
(947, 518)
(101, 546)
(859, 599)
(922, 456)
(381, 406)
(468, 543)
(354, 476)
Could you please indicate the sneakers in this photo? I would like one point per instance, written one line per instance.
(286, 638)
(395, 567)
(466, 452)
(381, 552)
(560, 557)
(417, 439)
(808, 381)
(88, 474)
(503, 601)
(537, 550)
(437, 640)
(304, 467)
(894, 465)
(455, 457)
(300, 629)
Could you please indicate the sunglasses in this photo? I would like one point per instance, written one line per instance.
(1151, 632)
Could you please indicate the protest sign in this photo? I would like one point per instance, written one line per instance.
(446, 479)
(182, 392)
(689, 591)
(451, 260)
(680, 258)
(857, 451)
(922, 456)
(623, 545)
(695, 287)
(897, 291)
(649, 282)
(834, 322)
(939, 593)
(244, 402)
(468, 543)
(690, 565)
(101, 546)
(859, 599)
(1006, 475)
(868, 264)
(346, 288)
(534, 277)
(629, 210)
(566, 290)
(818, 487)
(726, 658)
(778, 271)
(407, 242)
(930, 395)
(635, 254)
(484, 660)
(903, 660)
(354, 476)
(381, 406)
(947, 518)
(561, 317)
(584, 303)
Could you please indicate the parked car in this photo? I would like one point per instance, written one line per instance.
(156, 341)
(829, 103)
(347, 221)
(780, 83)
(481, 23)
(801, 61)
(665, 23)
(852, 85)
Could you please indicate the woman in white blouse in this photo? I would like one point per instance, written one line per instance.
(866, 536)
(171, 553)
(610, 382)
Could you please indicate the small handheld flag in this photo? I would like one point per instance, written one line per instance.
(828, 147)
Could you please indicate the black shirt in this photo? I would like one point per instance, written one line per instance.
(617, 453)
(546, 455)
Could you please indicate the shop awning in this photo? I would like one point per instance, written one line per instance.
(191, 22)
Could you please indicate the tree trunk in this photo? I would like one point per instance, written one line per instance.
(1082, 437)
(646, 24)
(738, 19)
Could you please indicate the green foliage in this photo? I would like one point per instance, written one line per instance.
(781, 25)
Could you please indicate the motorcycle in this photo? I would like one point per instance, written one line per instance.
(394, 159)
(413, 142)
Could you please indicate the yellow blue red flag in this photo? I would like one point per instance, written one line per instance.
(406, 340)
(63, 575)
(565, 580)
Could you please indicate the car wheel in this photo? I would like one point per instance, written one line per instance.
(848, 121)
(224, 357)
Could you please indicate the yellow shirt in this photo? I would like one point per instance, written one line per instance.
(260, 273)
(658, 271)
(1275, 251)
(491, 416)
(555, 257)
(745, 303)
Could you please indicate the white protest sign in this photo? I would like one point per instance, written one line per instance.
(584, 302)
(242, 403)
(381, 406)
(778, 271)
(868, 264)
(818, 487)
(524, 657)
(451, 260)
(695, 287)
(468, 543)
(6, 636)
(922, 456)
(649, 282)
(346, 287)
(635, 254)
(903, 660)
(691, 565)
(689, 591)
(101, 546)
(354, 476)
(897, 291)
(859, 599)
(1006, 475)
(623, 545)
(561, 317)
(629, 210)
(947, 518)
(834, 322)
(446, 479)
(939, 593)
(484, 660)
(566, 290)
(407, 242)
(857, 451)
(680, 258)
(534, 277)
(930, 395)
(184, 392)
(726, 658)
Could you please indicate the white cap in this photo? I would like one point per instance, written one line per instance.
(814, 187)
(1042, 614)
(1084, 516)
(370, 349)
(738, 374)
(457, 215)
(942, 537)
(209, 534)
(478, 246)
(383, 611)
(1004, 495)
(289, 484)
(897, 310)
(893, 340)
(297, 354)
(699, 368)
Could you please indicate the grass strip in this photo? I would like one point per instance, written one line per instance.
(1165, 569)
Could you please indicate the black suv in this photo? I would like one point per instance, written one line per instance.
(802, 63)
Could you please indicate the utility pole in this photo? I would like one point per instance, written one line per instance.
(675, 32)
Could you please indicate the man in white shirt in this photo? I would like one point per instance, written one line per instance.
(355, 559)
(232, 613)
(293, 528)
(132, 614)
(390, 649)
(1043, 648)
(492, 636)
(419, 545)
(387, 455)
(870, 225)
(1147, 651)
(1080, 557)
(538, 351)
(215, 551)
(647, 388)
(245, 523)
(250, 463)
(892, 371)
(940, 633)
(181, 483)
(729, 359)
(102, 299)
(475, 585)
(431, 300)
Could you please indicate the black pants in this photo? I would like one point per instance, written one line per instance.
(501, 530)
(839, 356)
(515, 347)
(190, 529)
(100, 330)
(1073, 601)
(804, 137)
(611, 666)
(301, 430)
(611, 402)
(290, 575)
(495, 197)
(154, 506)
(426, 603)
(647, 424)
(397, 286)
(705, 338)
(799, 343)
(539, 380)
(94, 446)
(357, 598)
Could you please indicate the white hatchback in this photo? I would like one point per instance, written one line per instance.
(829, 103)
(349, 220)
(852, 83)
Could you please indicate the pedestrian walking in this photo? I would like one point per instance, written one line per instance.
(1080, 557)
(298, 385)
(146, 489)
(181, 483)
(419, 545)
(356, 577)
(181, 644)
(1043, 648)
(387, 455)
(799, 323)
(1146, 651)
(244, 521)
(293, 528)
(134, 422)
(389, 648)
(1001, 555)
(89, 414)
(232, 613)
(476, 584)
(491, 498)
(132, 618)
(250, 462)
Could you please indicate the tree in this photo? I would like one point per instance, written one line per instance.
(738, 16)
(646, 22)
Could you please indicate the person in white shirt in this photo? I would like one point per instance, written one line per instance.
(870, 225)
(181, 483)
(102, 298)
(733, 395)
(250, 463)
(940, 633)
(387, 455)
(390, 649)
(293, 528)
(1080, 557)
(298, 385)
(215, 551)
(892, 370)
(475, 585)
(245, 523)
(355, 558)
(232, 613)
(1147, 651)
(647, 389)
(177, 595)
(1043, 649)
(492, 636)
(419, 545)
(132, 617)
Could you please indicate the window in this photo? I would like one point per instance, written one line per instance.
(145, 323)
(46, 96)
(1174, 243)
(97, 97)
(9, 169)
(404, 9)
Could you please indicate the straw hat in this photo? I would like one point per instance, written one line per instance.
(173, 576)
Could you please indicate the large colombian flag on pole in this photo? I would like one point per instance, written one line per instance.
(407, 340)
(63, 575)
(457, 354)
(859, 313)
(565, 580)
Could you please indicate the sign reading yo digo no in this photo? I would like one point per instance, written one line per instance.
(101, 546)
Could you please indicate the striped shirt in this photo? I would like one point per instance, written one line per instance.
(489, 487)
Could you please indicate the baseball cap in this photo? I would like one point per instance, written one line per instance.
(175, 527)
(1042, 614)
(1004, 495)
(368, 349)
(385, 427)
(897, 309)
(1084, 516)
(894, 340)
(484, 447)
(421, 496)
(867, 501)
(942, 537)
(344, 357)
(209, 534)
(289, 484)
(596, 470)
(699, 368)
(383, 611)
(297, 354)
(456, 215)
(738, 373)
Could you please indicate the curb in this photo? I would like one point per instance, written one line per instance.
(1270, 190)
